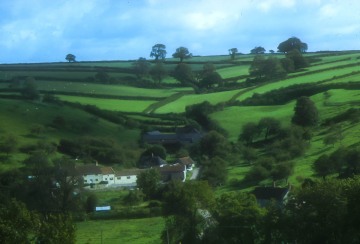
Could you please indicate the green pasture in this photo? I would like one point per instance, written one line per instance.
(102, 89)
(234, 71)
(233, 118)
(340, 96)
(333, 57)
(134, 231)
(110, 104)
(179, 105)
(312, 78)
(349, 78)
(321, 67)
(17, 117)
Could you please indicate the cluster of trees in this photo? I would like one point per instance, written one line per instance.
(262, 69)
(281, 145)
(345, 162)
(317, 212)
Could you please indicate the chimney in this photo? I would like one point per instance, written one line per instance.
(96, 163)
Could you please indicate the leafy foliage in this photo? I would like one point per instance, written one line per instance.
(306, 113)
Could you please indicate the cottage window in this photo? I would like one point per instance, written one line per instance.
(111, 178)
(128, 177)
(119, 177)
(97, 180)
(85, 181)
(105, 178)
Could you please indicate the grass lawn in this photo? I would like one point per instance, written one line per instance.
(233, 118)
(119, 90)
(120, 231)
(298, 80)
(110, 104)
(179, 105)
(233, 71)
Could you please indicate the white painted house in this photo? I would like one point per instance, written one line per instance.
(127, 178)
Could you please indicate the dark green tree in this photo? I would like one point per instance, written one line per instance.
(239, 217)
(182, 53)
(148, 182)
(184, 74)
(232, 52)
(56, 228)
(249, 132)
(29, 90)
(306, 113)
(291, 44)
(141, 67)
(70, 58)
(8, 144)
(214, 144)
(187, 210)
(210, 80)
(214, 171)
(158, 51)
(297, 59)
(269, 126)
(266, 69)
(258, 50)
(158, 72)
(17, 223)
(91, 202)
(323, 166)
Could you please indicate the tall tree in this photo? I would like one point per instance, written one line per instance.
(158, 51)
(184, 74)
(29, 90)
(232, 52)
(306, 113)
(214, 144)
(182, 53)
(158, 72)
(187, 210)
(297, 58)
(269, 126)
(238, 217)
(258, 50)
(291, 44)
(70, 58)
(141, 67)
(148, 181)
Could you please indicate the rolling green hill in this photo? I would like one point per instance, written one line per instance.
(75, 84)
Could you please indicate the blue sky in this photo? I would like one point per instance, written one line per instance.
(45, 31)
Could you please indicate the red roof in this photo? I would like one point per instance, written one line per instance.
(185, 161)
(107, 170)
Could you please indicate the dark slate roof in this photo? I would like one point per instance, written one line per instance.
(129, 172)
(88, 169)
(151, 161)
(182, 135)
(174, 168)
(268, 193)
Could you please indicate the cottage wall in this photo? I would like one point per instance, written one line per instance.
(125, 180)
(92, 179)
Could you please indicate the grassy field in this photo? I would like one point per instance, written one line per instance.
(110, 104)
(120, 231)
(233, 118)
(179, 105)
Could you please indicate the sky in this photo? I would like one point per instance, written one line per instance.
(46, 31)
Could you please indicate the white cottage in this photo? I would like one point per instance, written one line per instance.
(127, 178)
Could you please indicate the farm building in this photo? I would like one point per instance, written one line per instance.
(266, 194)
(185, 135)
